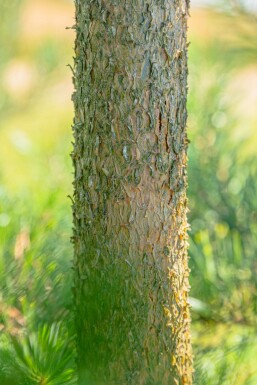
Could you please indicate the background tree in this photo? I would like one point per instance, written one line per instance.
(130, 226)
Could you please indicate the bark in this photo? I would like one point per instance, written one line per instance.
(130, 205)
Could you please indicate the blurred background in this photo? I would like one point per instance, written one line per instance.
(36, 326)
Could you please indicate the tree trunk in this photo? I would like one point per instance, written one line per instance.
(130, 226)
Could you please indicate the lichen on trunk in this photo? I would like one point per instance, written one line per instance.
(130, 206)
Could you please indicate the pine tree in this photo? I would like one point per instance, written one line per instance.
(130, 226)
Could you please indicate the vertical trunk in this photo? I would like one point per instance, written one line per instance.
(130, 226)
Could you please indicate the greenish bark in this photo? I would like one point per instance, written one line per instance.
(130, 225)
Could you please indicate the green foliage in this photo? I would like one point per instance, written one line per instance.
(35, 275)
(225, 263)
(45, 357)
(35, 290)
(223, 358)
(222, 197)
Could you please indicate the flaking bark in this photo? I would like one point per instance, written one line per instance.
(130, 206)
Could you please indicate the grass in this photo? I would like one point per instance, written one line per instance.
(35, 216)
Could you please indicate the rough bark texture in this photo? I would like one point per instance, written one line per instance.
(130, 225)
